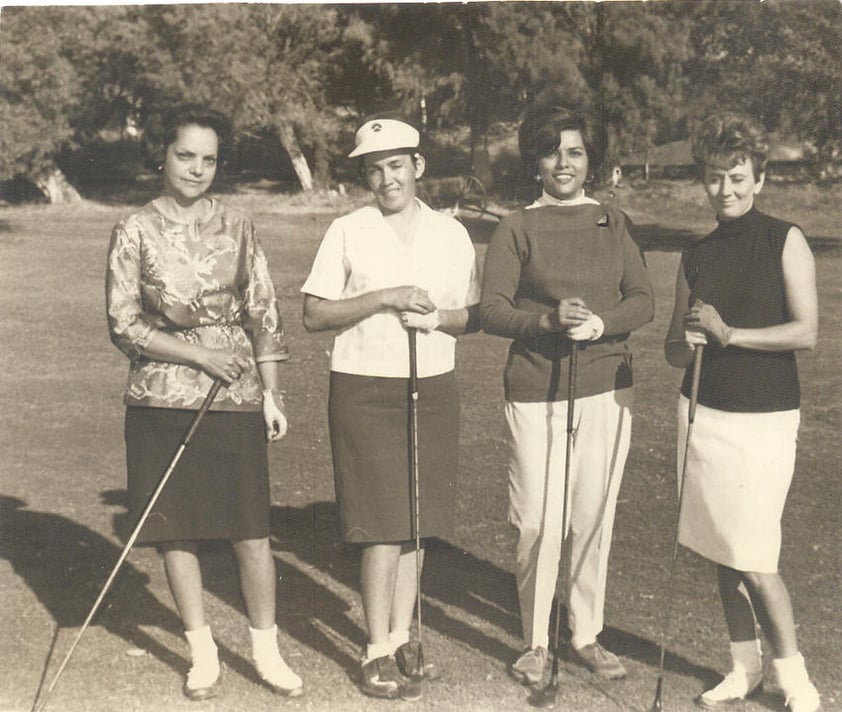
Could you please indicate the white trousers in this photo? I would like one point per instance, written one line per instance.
(538, 435)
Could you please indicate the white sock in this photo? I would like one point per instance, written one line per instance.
(791, 672)
(377, 650)
(264, 643)
(397, 638)
(201, 643)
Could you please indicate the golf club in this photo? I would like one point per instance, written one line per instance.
(185, 441)
(546, 696)
(657, 705)
(414, 489)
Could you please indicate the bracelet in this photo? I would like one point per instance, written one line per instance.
(269, 392)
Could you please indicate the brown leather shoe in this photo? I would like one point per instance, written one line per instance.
(600, 661)
(381, 678)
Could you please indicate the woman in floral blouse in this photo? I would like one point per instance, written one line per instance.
(190, 301)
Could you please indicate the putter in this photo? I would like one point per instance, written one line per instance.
(414, 489)
(657, 705)
(200, 414)
(546, 696)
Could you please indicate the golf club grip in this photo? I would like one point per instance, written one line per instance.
(206, 404)
(571, 384)
(413, 359)
(694, 386)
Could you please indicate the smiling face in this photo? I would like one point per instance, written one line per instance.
(190, 164)
(564, 171)
(731, 189)
(391, 176)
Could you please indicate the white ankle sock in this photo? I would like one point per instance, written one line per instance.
(377, 650)
(201, 642)
(263, 642)
(397, 638)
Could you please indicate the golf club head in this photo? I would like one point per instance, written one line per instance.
(657, 705)
(544, 697)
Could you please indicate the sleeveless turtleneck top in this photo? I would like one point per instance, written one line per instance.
(738, 269)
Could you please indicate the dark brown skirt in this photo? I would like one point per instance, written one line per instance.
(369, 435)
(218, 490)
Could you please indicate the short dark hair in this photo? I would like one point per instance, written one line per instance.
(730, 138)
(539, 134)
(162, 130)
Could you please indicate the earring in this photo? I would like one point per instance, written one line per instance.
(536, 178)
(159, 168)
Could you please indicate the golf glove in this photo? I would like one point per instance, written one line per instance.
(693, 337)
(589, 330)
(422, 322)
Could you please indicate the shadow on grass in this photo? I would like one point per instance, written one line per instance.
(66, 564)
(466, 599)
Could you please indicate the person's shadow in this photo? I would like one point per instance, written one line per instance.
(454, 580)
(66, 564)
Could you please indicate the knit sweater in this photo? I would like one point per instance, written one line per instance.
(540, 256)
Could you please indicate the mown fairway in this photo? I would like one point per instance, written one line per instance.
(62, 488)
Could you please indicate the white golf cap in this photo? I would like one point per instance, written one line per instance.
(384, 135)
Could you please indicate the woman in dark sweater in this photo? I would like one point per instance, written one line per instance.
(747, 292)
(564, 272)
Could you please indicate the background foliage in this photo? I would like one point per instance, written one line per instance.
(299, 76)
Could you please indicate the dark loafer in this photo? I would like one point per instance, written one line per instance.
(408, 658)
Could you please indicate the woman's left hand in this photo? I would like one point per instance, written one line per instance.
(704, 317)
(423, 322)
(274, 415)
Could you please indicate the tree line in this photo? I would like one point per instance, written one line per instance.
(303, 73)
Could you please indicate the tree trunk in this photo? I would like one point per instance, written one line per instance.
(286, 134)
(53, 183)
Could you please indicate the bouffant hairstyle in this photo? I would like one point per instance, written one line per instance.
(728, 139)
(163, 128)
(540, 130)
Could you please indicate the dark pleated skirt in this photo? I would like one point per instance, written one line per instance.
(370, 439)
(218, 490)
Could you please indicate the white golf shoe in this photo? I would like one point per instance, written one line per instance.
(800, 694)
(736, 686)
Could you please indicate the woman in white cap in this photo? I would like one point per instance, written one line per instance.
(381, 270)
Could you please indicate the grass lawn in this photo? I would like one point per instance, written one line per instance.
(62, 494)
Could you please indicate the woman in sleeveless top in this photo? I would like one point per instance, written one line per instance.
(747, 293)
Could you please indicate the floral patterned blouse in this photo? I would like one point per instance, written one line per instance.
(206, 282)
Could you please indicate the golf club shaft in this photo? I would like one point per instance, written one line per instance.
(571, 404)
(691, 416)
(413, 456)
(200, 414)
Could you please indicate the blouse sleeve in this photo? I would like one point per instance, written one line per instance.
(262, 320)
(329, 273)
(124, 303)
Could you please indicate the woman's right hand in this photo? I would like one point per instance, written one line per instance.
(408, 299)
(222, 364)
(572, 312)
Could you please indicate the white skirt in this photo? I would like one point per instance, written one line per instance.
(739, 468)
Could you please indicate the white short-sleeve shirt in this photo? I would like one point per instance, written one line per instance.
(361, 253)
